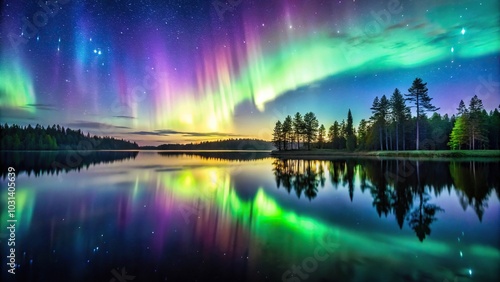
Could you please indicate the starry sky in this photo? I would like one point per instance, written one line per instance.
(156, 71)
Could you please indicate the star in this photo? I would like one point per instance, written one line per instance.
(463, 31)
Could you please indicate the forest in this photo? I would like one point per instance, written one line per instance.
(228, 144)
(38, 163)
(56, 137)
(393, 127)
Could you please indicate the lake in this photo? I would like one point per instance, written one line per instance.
(232, 216)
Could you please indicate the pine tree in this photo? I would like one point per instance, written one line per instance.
(477, 122)
(288, 132)
(380, 110)
(349, 126)
(321, 136)
(462, 110)
(342, 135)
(350, 138)
(277, 135)
(384, 115)
(419, 96)
(298, 127)
(494, 129)
(331, 135)
(397, 112)
(335, 130)
(459, 136)
(362, 134)
(310, 128)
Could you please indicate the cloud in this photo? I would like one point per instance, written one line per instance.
(148, 133)
(126, 117)
(95, 125)
(439, 37)
(26, 112)
(397, 26)
(169, 132)
(16, 113)
(40, 106)
(419, 26)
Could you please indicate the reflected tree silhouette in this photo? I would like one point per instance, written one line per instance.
(303, 176)
(312, 179)
(39, 163)
(421, 218)
(416, 181)
(335, 169)
(381, 200)
(473, 183)
(349, 177)
(237, 156)
(401, 203)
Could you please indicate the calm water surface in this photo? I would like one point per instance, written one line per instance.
(149, 216)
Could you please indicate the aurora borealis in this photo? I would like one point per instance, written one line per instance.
(157, 71)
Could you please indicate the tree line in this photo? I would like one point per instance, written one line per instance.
(56, 137)
(228, 144)
(393, 127)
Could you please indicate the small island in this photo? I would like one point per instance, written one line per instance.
(239, 144)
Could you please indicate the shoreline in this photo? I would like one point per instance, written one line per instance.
(322, 154)
(329, 154)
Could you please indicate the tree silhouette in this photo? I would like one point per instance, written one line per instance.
(321, 136)
(298, 127)
(350, 137)
(420, 97)
(380, 111)
(397, 112)
(310, 128)
(477, 128)
(15, 137)
(278, 135)
(287, 133)
(333, 135)
(391, 125)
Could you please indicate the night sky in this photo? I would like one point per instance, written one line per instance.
(183, 71)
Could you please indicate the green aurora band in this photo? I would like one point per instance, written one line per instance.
(16, 87)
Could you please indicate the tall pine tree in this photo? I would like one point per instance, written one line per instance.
(398, 108)
(422, 102)
(350, 138)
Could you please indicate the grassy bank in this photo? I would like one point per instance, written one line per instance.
(424, 154)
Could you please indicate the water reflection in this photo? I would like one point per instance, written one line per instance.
(398, 187)
(55, 162)
(302, 176)
(178, 217)
(219, 155)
